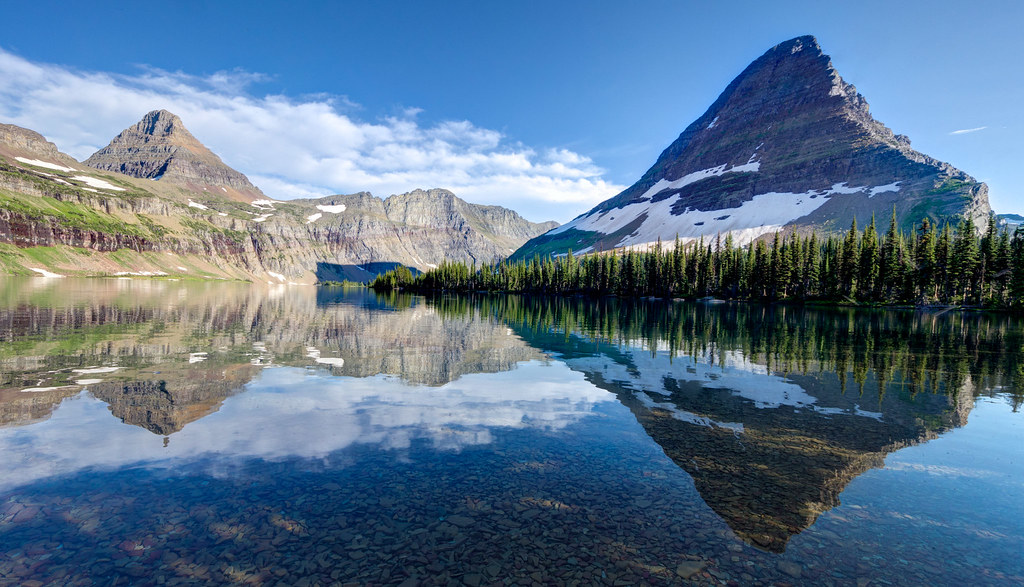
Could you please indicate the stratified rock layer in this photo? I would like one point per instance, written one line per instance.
(159, 147)
(22, 142)
(204, 221)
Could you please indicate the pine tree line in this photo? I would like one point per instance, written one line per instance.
(951, 265)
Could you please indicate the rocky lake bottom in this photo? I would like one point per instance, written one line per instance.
(162, 433)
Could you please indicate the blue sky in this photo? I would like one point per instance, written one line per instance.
(546, 107)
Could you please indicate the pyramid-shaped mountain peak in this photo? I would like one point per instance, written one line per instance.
(159, 147)
(788, 146)
(161, 123)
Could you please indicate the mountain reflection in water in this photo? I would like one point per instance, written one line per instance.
(771, 411)
(757, 403)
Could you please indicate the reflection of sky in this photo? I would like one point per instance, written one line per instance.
(290, 412)
(730, 371)
(975, 452)
(956, 493)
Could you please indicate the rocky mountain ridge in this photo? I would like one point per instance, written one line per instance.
(788, 146)
(159, 147)
(199, 218)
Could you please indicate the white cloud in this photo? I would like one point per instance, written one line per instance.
(967, 130)
(302, 147)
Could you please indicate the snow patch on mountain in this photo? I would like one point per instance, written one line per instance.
(96, 183)
(763, 214)
(43, 164)
(889, 187)
(331, 208)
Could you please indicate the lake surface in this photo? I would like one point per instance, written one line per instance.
(163, 433)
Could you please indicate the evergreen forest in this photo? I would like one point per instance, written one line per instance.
(927, 266)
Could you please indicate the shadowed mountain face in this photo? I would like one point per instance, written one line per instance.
(788, 146)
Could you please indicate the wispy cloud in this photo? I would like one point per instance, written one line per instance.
(302, 146)
(967, 130)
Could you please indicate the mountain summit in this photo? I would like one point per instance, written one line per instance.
(788, 146)
(159, 147)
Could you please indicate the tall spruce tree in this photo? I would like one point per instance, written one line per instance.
(850, 260)
(867, 279)
(925, 261)
(965, 263)
(891, 264)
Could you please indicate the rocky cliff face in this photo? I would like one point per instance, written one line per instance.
(788, 146)
(159, 147)
(200, 219)
(22, 142)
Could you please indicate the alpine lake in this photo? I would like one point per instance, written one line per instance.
(173, 433)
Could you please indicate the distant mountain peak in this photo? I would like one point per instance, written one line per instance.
(787, 146)
(161, 123)
(159, 147)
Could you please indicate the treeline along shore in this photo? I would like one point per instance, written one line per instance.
(926, 266)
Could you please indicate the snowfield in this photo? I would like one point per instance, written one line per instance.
(43, 164)
(97, 183)
(313, 217)
(192, 204)
(332, 208)
(764, 214)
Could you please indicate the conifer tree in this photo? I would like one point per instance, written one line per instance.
(811, 275)
(964, 262)
(868, 268)
(1017, 267)
(925, 270)
(890, 261)
(850, 259)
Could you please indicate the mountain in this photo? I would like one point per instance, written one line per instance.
(788, 146)
(20, 142)
(159, 147)
(157, 202)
